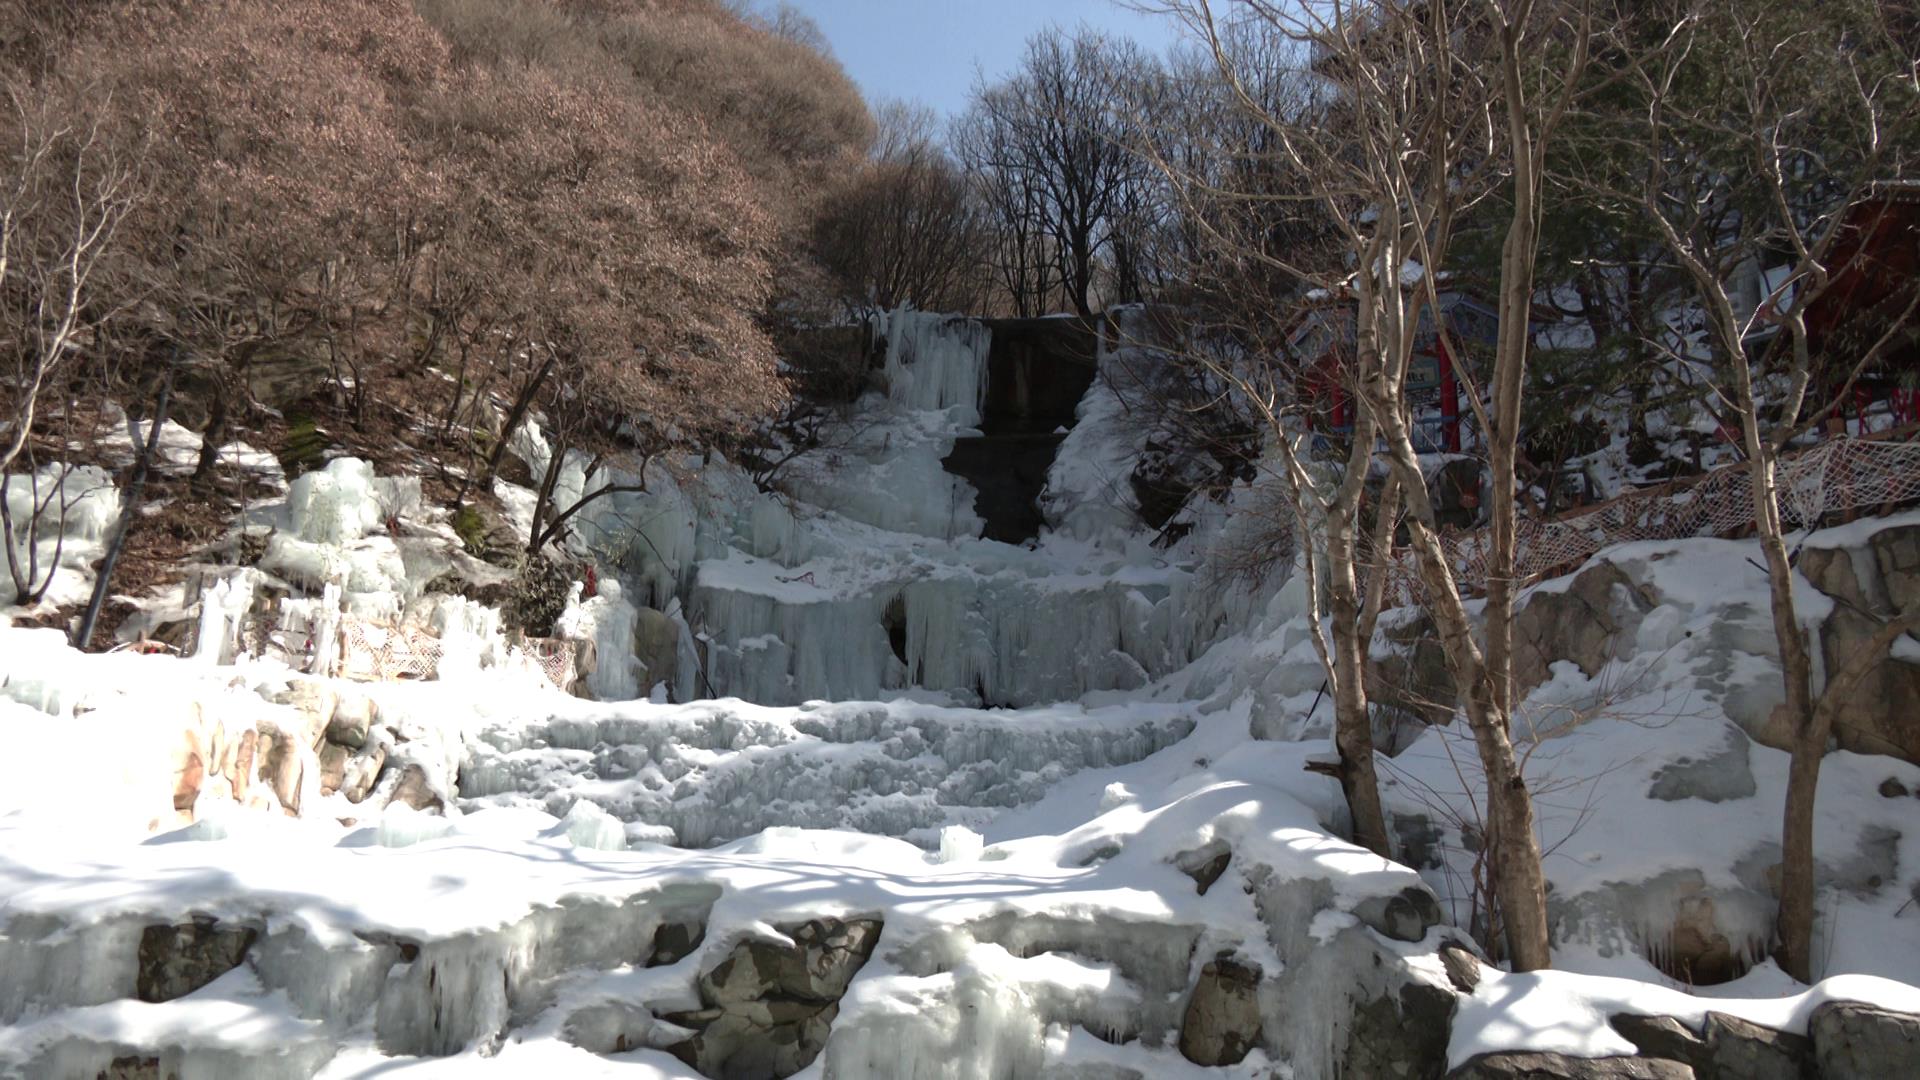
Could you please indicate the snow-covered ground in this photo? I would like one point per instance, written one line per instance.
(482, 876)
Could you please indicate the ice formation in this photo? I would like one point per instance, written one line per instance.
(1067, 780)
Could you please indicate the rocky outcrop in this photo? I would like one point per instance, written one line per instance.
(1868, 584)
(1222, 1021)
(176, 960)
(767, 1008)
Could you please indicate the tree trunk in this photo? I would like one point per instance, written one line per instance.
(1795, 922)
(1353, 720)
(214, 435)
(129, 511)
(1519, 881)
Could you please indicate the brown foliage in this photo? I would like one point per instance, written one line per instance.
(906, 228)
(585, 198)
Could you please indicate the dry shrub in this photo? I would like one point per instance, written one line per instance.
(608, 184)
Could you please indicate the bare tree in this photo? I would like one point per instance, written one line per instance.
(1021, 244)
(1429, 107)
(1247, 264)
(64, 194)
(908, 227)
(1056, 167)
(1764, 137)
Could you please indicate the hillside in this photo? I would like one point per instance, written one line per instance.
(559, 539)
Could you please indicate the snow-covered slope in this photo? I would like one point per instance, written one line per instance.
(823, 857)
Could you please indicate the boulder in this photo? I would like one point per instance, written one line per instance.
(1462, 967)
(1205, 864)
(353, 718)
(175, 960)
(1536, 1066)
(1852, 1041)
(1726, 1048)
(415, 791)
(1404, 916)
(360, 772)
(767, 1007)
(1222, 1021)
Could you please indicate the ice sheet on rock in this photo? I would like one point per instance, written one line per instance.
(936, 362)
(717, 771)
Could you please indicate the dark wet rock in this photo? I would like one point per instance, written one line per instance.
(176, 960)
(134, 1067)
(675, 941)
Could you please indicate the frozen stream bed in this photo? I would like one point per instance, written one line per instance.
(526, 926)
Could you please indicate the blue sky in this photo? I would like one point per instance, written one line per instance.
(928, 50)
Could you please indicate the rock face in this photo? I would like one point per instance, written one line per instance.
(1401, 1037)
(1869, 583)
(1859, 1042)
(1223, 1013)
(177, 960)
(767, 1008)
(1413, 678)
(1589, 624)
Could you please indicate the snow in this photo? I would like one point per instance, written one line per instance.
(1566, 1013)
(823, 695)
